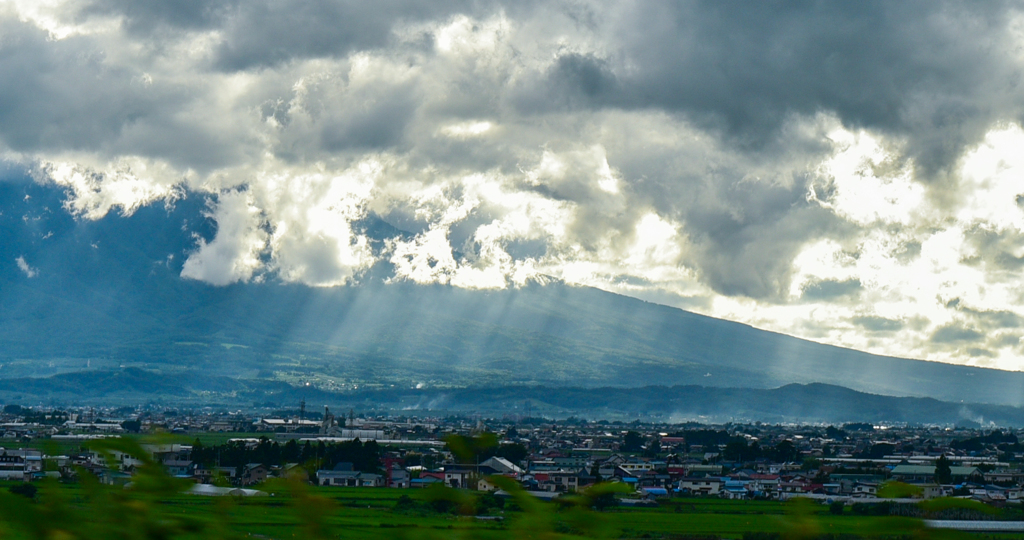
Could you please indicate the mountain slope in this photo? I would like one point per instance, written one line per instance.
(107, 294)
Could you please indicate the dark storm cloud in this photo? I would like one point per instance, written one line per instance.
(994, 248)
(574, 81)
(375, 123)
(829, 289)
(995, 318)
(979, 352)
(877, 324)
(61, 95)
(987, 319)
(746, 232)
(144, 17)
(956, 333)
(751, 255)
(937, 73)
(64, 95)
(907, 251)
(265, 33)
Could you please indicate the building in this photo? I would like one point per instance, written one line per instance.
(700, 486)
(20, 463)
(918, 474)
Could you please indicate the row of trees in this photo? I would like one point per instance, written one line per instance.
(364, 457)
(737, 449)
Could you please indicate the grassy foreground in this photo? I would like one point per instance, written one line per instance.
(155, 507)
(297, 511)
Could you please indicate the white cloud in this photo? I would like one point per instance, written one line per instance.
(865, 197)
(24, 267)
(128, 184)
(234, 253)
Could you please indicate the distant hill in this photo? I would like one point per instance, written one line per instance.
(811, 403)
(107, 296)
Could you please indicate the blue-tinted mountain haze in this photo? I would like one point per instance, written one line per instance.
(106, 297)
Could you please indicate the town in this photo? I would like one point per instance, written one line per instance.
(834, 464)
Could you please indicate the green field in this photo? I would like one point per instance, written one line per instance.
(293, 511)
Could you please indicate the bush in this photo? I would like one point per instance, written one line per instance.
(443, 506)
(25, 490)
(405, 502)
(488, 501)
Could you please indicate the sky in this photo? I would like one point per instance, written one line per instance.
(845, 172)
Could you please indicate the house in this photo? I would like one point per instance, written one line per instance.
(735, 489)
(575, 461)
(765, 485)
(916, 474)
(654, 493)
(457, 478)
(635, 466)
(848, 481)
(370, 480)
(20, 464)
(700, 486)
(1005, 478)
(501, 466)
(423, 482)
(338, 478)
(226, 472)
(931, 491)
(793, 487)
(694, 470)
(341, 475)
(179, 468)
(864, 489)
(399, 478)
(564, 480)
(253, 473)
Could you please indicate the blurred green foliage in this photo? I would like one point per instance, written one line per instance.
(152, 507)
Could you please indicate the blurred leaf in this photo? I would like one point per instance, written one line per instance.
(899, 490)
(467, 449)
(947, 503)
(801, 519)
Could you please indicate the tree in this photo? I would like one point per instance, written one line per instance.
(833, 432)
(604, 500)
(514, 452)
(786, 451)
(810, 464)
(652, 449)
(291, 453)
(132, 426)
(943, 472)
(632, 442)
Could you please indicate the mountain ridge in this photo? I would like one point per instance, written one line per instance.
(792, 403)
(108, 294)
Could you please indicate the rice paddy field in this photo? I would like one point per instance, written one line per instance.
(296, 511)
